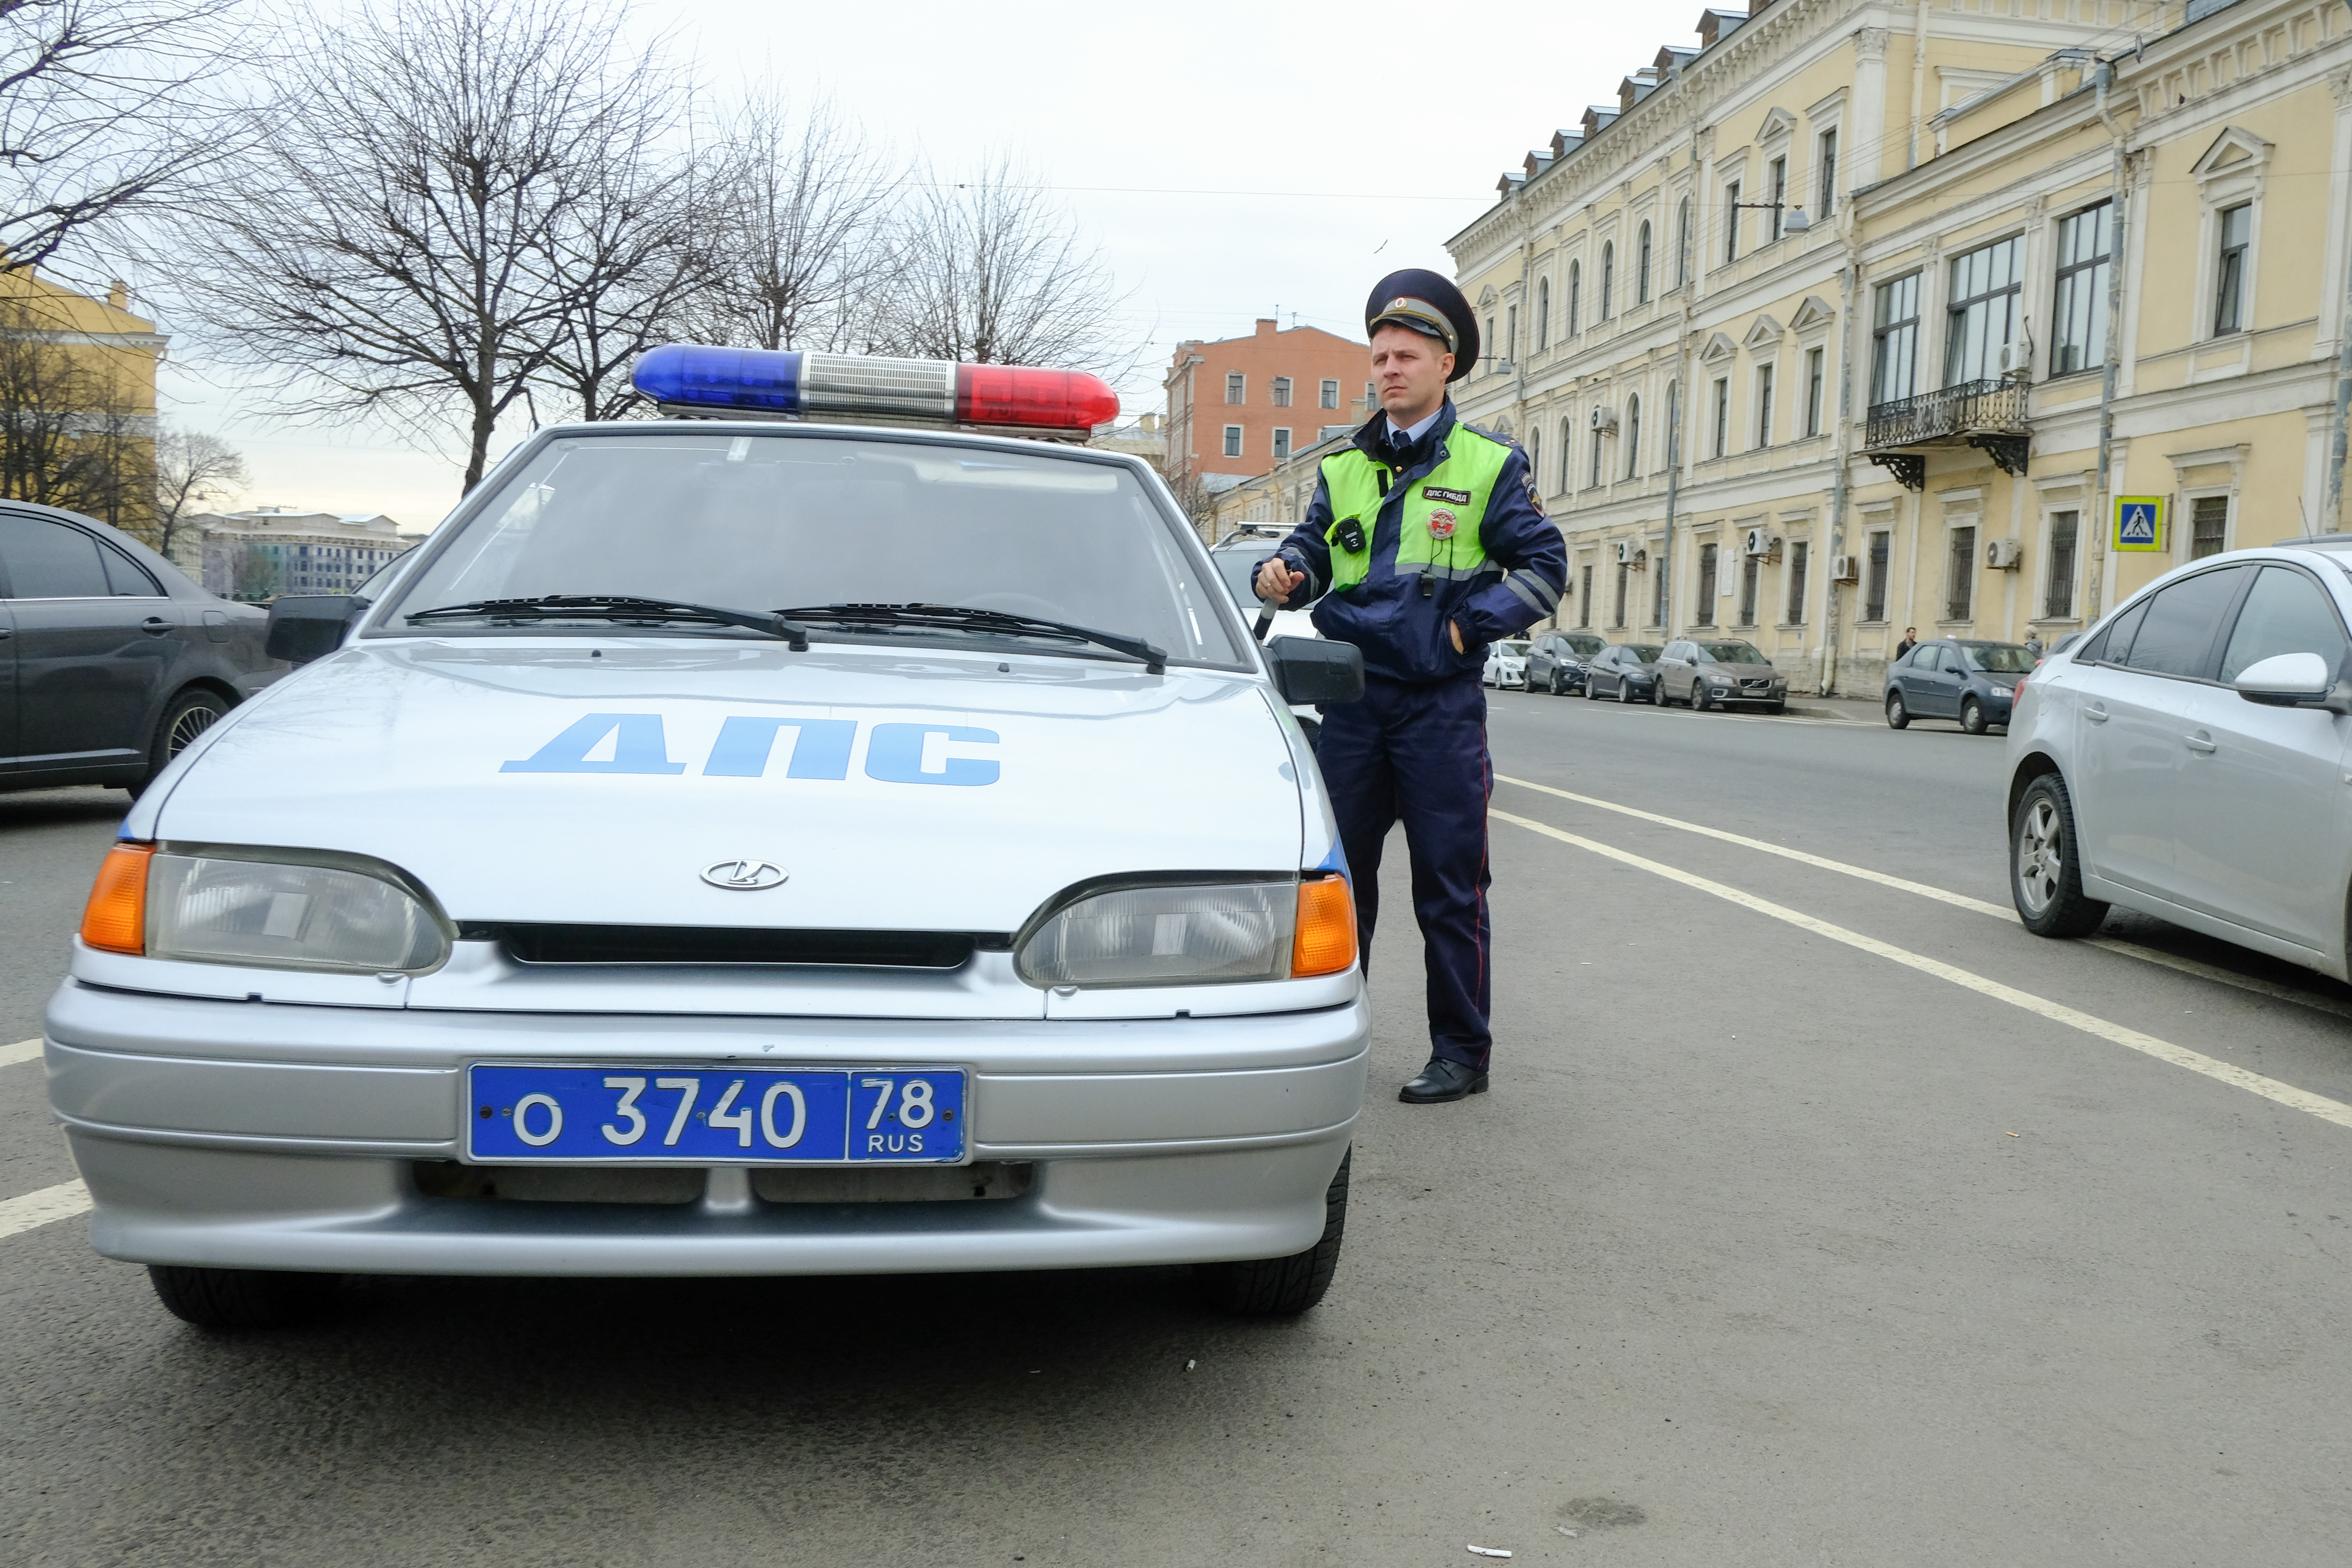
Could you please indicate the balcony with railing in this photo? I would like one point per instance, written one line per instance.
(1988, 415)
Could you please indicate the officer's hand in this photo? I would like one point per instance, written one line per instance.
(1454, 629)
(1276, 582)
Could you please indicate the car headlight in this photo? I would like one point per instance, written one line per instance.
(1193, 933)
(208, 905)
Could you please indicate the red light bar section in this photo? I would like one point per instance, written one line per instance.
(1045, 400)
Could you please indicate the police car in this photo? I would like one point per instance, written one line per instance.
(769, 840)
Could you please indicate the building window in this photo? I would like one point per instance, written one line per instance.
(1575, 294)
(1281, 443)
(1510, 334)
(1567, 454)
(1894, 338)
(1371, 402)
(1825, 186)
(1232, 440)
(1489, 344)
(1984, 310)
(2078, 333)
(1674, 444)
(1608, 281)
(1873, 587)
(1706, 615)
(1799, 553)
(1776, 181)
(1658, 589)
(1814, 359)
(1543, 313)
(1330, 398)
(1281, 391)
(1641, 266)
(1534, 454)
(2237, 226)
(1592, 476)
(1682, 243)
(1960, 600)
(1764, 378)
(2058, 594)
(1624, 576)
(1584, 597)
(1237, 387)
(1633, 438)
(2209, 520)
(1731, 221)
(1722, 415)
(1751, 578)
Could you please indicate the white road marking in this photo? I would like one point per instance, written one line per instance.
(47, 1207)
(2221, 1071)
(23, 1050)
(2115, 944)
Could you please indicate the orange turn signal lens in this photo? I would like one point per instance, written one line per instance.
(115, 919)
(1324, 941)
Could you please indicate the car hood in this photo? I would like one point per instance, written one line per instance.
(546, 780)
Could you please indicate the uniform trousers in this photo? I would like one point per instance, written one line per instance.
(1417, 754)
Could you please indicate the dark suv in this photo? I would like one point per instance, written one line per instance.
(1557, 660)
(110, 660)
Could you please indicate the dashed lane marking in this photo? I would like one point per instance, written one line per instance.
(23, 1050)
(2221, 1071)
(50, 1204)
(2261, 988)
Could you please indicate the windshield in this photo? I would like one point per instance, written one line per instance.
(2000, 658)
(767, 522)
(1511, 650)
(1646, 652)
(1239, 569)
(1586, 646)
(1732, 653)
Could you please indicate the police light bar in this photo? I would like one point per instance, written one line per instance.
(697, 382)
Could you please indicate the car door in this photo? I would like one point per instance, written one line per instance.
(1670, 666)
(7, 682)
(2133, 741)
(1935, 684)
(2263, 812)
(94, 641)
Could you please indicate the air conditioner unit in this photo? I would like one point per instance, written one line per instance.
(2016, 358)
(1629, 553)
(1763, 542)
(1605, 420)
(1845, 568)
(2003, 555)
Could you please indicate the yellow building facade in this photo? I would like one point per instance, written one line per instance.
(1970, 315)
(78, 410)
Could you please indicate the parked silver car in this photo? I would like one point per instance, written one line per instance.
(1717, 673)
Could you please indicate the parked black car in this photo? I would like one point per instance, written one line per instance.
(110, 660)
(1557, 660)
(1970, 681)
(1626, 671)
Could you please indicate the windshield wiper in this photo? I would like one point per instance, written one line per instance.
(1153, 660)
(615, 607)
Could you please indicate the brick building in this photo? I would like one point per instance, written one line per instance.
(1238, 407)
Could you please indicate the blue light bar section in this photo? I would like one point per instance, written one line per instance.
(765, 379)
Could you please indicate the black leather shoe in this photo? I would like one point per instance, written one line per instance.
(1441, 1081)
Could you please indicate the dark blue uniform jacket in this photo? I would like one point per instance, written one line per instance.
(1402, 634)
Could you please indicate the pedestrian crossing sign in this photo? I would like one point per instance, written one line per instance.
(2139, 523)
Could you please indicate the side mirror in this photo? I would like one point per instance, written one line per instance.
(2285, 680)
(310, 626)
(1308, 669)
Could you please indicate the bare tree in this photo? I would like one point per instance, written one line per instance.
(625, 259)
(801, 230)
(989, 271)
(99, 111)
(192, 466)
(395, 244)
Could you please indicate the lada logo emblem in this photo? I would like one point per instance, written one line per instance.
(744, 876)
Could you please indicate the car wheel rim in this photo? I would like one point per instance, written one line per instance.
(186, 727)
(2041, 857)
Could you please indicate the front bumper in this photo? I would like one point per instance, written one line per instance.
(262, 1135)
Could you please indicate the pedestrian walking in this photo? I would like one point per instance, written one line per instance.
(1910, 641)
(2033, 645)
(1426, 541)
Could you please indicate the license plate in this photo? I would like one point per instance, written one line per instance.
(709, 1116)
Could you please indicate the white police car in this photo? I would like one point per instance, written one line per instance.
(742, 846)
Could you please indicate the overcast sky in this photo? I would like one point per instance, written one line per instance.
(1233, 160)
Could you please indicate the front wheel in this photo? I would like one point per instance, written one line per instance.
(1591, 690)
(2045, 876)
(1557, 690)
(231, 1299)
(1699, 701)
(1972, 717)
(1897, 716)
(1285, 1287)
(1625, 690)
(187, 717)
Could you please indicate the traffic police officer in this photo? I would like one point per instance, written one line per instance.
(1425, 542)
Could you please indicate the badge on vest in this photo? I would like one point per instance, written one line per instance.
(1434, 493)
(1440, 523)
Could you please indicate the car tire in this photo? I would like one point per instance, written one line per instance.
(185, 716)
(1558, 689)
(1592, 692)
(1972, 717)
(1625, 690)
(1897, 716)
(1284, 1287)
(1698, 700)
(2045, 876)
(233, 1299)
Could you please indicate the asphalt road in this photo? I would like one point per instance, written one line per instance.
(1813, 1220)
